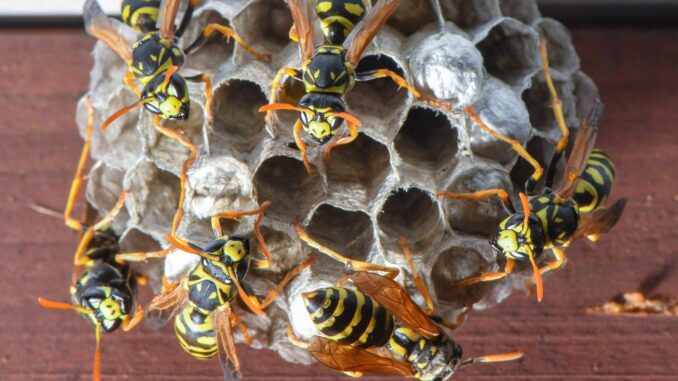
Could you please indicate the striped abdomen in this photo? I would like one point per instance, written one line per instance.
(349, 317)
(195, 331)
(595, 183)
(141, 15)
(339, 17)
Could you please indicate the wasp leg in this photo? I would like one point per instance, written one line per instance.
(186, 18)
(128, 79)
(294, 339)
(485, 277)
(78, 178)
(143, 256)
(302, 147)
(385, 73)
(538, 170)
(421, 286)
(288, 277)
(235, 320)
(234, 215)
(207, 93)
(353, 134)
(80, 257)
(479, 195)
(554, 265)
(276, 84)
(157, 122)
(228, 33)
(352, 265)
(557, 106)
(131, 322)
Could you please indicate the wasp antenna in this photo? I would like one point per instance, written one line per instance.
(123, 110)
(280, 106)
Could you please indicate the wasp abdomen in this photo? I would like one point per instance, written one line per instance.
(595, 182)
(195, 331)
(339, 17)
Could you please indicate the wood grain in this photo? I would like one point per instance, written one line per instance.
(42, 74)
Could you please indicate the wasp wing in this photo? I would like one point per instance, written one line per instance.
(168, 13)
(101, 27)
(583, 145)
(600, 220)
(395, 299)
(346, 358)
(364, 32)
(166, 304)
(302, 15)
(228, 357)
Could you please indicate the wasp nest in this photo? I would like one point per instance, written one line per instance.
(484, 53)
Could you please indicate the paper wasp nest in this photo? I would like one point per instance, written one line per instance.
(370, 192)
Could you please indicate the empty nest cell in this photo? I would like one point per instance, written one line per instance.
(413, 214)
(357, 170)
(561, 53)
(292, 191)
(511, 52)
(427, 139)
(456, 263)
(412, 15)
(377, 102)
(265, 25)
(215, 49)
(542, 150)
(349, 233)
(237, 119)
(539, 104)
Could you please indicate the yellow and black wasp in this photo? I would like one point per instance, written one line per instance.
(143, 15)
(328, 70)
(378, 328)
(567, 210)
(104, 288)
(201, 303)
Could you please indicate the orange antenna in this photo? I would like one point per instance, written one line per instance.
(123, 110)
(349, 118)
(168, 75)
(500, 357)
(63, 306)
(281, 106)
(526, 208)
(97, 354)
(537, 274)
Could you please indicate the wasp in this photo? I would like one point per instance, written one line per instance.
(378, 328)
(328, 70)
(201, 303)
(142, 15)
(570, 209)
(104, 288)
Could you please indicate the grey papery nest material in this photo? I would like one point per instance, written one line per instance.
(371, 191)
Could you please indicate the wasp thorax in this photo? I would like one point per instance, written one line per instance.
(319, 120)
(517, 241)
(152, 55)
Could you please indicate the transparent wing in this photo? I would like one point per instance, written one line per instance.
(583, 145)
(100, 26)
(600, 221)
(168, 13)
(346, 358)
(390, 295)
(365, 31)
(302, 14)
(228, 357)
(165, 305)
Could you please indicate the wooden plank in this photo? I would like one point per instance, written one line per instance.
(45, 71)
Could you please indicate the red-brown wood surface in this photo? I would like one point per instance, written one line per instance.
(42, 74)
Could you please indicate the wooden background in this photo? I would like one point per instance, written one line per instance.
(44, 71)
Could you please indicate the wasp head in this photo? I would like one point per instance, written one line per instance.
(319, 117)
(169, 97)
(518, 240)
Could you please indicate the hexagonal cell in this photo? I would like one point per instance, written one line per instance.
(561, 53)
(427, 140)
(265, 25)
(154, 197)
(285, 250)
(358, 169)
(503, 111)
(284, 181)
(377, 103)
(353, 237)
(538, 101)
(542, 150)
(470, 14)
(413, 214)
(511, 52)
(215, 49)
(526, 11)
(477, 216)
(237, 120)
(456, 263)
(411, 16)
